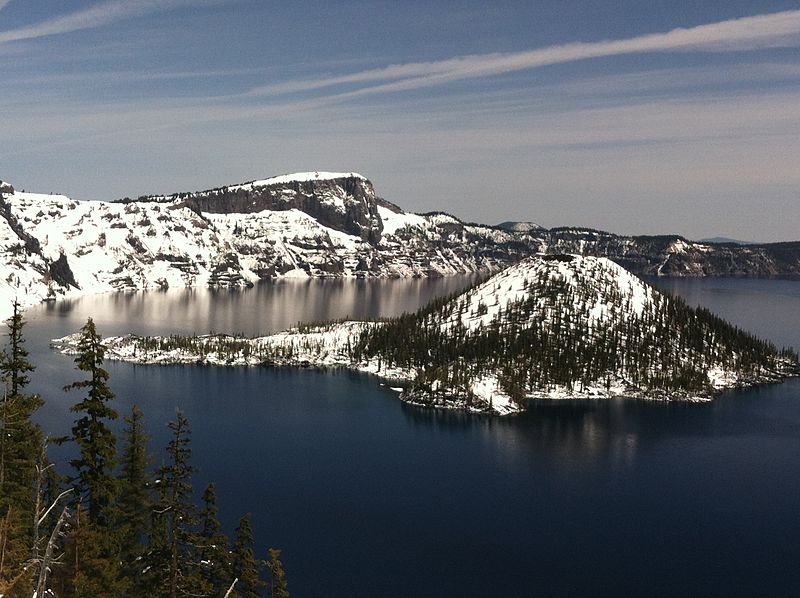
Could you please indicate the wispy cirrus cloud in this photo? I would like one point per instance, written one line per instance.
(99, 15)
(134, 76)
(773, 30)
(675, 149)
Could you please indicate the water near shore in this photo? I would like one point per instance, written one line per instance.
(369, 497)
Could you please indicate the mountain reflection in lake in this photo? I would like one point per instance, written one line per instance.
(270, 306)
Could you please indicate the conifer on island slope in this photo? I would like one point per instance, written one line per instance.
(566, 325)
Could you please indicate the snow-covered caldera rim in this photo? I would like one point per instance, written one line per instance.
(299, 177)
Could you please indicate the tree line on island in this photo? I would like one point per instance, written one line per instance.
(549, 338)
(586, 331)
(113, 526)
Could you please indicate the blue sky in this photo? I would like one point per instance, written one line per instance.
(634, 117)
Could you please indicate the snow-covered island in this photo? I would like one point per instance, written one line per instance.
(552, 326)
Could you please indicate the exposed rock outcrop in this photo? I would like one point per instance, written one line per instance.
(342, 201)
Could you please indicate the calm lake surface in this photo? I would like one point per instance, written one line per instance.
(368, 497)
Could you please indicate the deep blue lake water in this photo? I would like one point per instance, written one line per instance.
(368, 497)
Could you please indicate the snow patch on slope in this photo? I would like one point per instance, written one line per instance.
(393, 222)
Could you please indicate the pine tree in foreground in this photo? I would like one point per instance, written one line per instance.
(94, 567)
(94, 481)
(93, 543)
(212, 553)
(134, 504)
(114, 539)
(246, 567)
(173, 548)
(277, 577)
(20, 443)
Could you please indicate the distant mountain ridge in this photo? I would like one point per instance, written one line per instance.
(520, 227)
(314, 224)
(727, 240)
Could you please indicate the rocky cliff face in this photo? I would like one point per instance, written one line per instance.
(310, 225)
(345, 202)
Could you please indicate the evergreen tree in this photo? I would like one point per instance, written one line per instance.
(135, 504)
(213, 554)
(245, 565)
(93, 543)
(277, 577)
(15, 365)
(93, 563)
(154, 573)
(174, 552)
(96, 442)
(20, 443)
(19, 436)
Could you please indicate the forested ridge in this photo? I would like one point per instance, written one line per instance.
(110, 523)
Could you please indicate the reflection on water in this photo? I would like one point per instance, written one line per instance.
(270, 306)
(573, 434)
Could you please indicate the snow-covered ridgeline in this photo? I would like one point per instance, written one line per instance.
(298, 177)
(314, 224)
(109, 246)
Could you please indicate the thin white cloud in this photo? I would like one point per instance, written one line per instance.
(506, 126)
(90, 18)
(3, 3)
(780, 29)
(116, 77)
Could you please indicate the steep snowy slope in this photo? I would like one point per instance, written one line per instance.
(115, 246)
